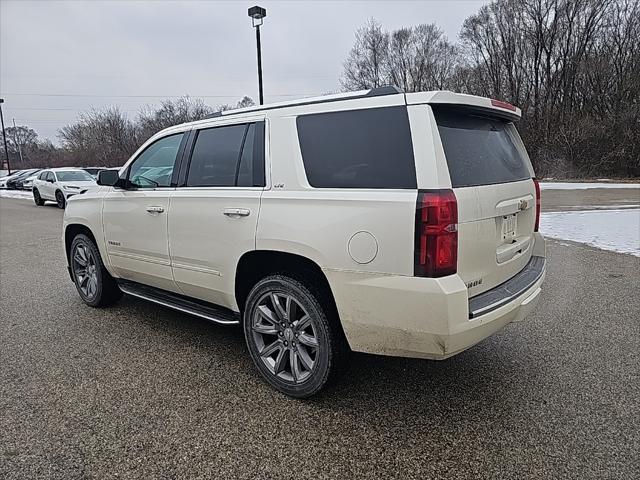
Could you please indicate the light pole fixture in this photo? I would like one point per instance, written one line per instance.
(4, 137)
(257, 14)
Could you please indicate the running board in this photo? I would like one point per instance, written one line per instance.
(198, 308)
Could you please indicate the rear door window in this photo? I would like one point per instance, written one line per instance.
(228, 156)
(369, 148)
(480, 150)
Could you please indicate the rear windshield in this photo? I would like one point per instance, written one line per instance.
(369, 148)
(480, 150)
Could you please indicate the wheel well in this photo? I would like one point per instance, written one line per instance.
(254, 266)
(70, 233)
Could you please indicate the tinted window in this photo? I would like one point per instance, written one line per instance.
(480, 150)
(358, 149)
(245, 166)
(73, 176)
(154, 166)
(51, 177)
(43, 175)
(227, 157)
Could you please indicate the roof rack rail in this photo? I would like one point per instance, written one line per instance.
(385, 90)
(374, 92)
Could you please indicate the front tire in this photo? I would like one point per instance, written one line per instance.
(292, 335)
(60, 200)
(37, 198)
(97, 288)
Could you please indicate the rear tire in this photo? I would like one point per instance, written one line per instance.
(293, 335)
(60, 200)
(97, 288)
(37, 198)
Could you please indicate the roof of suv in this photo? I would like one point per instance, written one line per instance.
(437, 96)
(374, 92)
(498, 108)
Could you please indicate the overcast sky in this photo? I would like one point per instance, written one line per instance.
(60, 58)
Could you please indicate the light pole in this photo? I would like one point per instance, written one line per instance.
(4, 137)
(257, 14)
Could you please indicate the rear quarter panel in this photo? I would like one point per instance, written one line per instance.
(320, 223)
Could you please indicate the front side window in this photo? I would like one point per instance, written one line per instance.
(369, 148)
(228, 156)
(154, 166)
(50, 177)
(73, 176)
(43, 175)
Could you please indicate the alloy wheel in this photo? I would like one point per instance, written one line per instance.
(285, 336)
(85, 270)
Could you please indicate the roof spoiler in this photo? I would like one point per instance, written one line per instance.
(488, 106)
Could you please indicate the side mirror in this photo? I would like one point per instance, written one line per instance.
(50, 180)
(109, 178)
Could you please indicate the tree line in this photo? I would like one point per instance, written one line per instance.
(572, 66)
(104, 137)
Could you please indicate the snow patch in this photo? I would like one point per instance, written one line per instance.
(584, 186)
(23, 194)
(615, 230)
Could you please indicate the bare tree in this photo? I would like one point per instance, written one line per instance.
(108, 138)
(414, 58)
(367, 63)
(573, 67)
(100, 137)
(245, 101)
(171, 112)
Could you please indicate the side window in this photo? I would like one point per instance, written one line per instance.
(245, 166)
(369, 148)
(154, 166)
(227, 156)
(42, 175)
(51, 177)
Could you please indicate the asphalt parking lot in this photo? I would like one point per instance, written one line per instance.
(140, 391)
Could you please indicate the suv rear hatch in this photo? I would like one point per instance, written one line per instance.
(491, 176)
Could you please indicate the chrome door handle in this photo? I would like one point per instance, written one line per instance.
(236, 212)
(154, 209)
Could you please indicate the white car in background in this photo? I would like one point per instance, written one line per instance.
(59, 184)
(6, 178)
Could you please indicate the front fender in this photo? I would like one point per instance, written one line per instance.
(85, 211)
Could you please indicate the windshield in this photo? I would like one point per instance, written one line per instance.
(480, 150)
(73, 176)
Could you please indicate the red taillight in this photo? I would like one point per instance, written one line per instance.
(538, 203)
(436, 243)
(501, 104)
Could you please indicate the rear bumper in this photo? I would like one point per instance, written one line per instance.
(430, 318)
(505, 293)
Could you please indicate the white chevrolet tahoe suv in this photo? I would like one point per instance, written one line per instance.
(376, 221)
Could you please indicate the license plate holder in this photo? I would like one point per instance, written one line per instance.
(509, 225)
